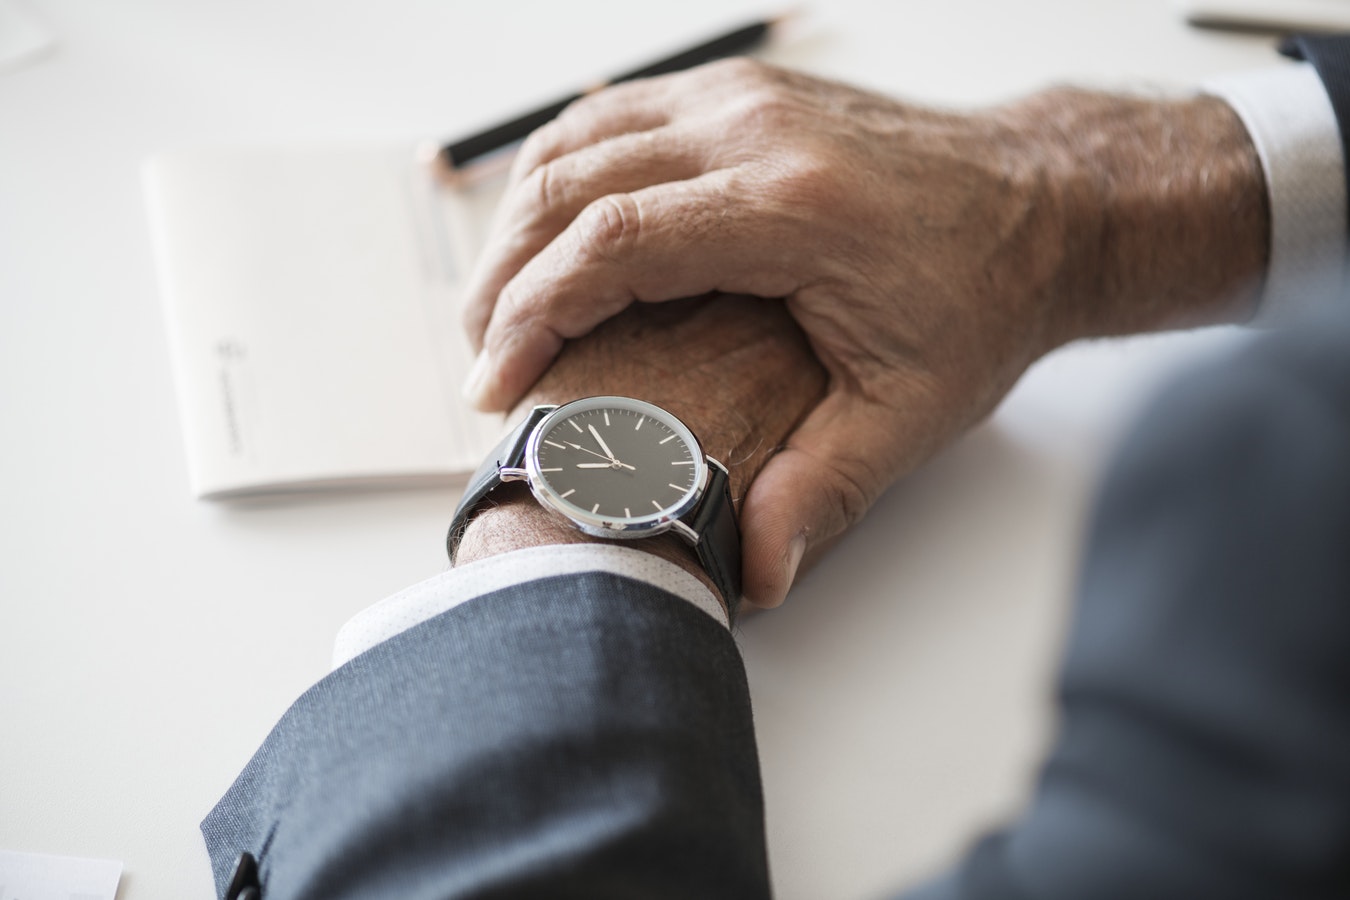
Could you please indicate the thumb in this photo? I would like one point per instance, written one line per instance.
(835, 465)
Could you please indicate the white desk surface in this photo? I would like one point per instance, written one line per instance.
(148, 641)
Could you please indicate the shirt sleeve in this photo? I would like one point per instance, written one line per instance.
(1290, 119)
(462, 584)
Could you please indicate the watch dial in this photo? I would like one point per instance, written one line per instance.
(617, 462)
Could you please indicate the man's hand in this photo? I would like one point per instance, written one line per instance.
(736, 370)
(929, 257)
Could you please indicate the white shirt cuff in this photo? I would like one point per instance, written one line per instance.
(1290, 119)
(421, 602)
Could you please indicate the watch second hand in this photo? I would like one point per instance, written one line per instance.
(585, 450)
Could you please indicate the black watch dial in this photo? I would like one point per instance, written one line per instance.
(614, 462)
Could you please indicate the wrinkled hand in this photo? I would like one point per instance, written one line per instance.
(929, 258)
(736, 370)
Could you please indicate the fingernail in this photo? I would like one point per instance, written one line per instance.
(476, 384)
(796, 550)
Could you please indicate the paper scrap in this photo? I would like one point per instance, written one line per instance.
(38, 876)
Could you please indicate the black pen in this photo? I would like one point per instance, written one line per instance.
(455, 155)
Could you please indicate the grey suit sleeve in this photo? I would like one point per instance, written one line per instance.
(587, 736)
(1204, 749)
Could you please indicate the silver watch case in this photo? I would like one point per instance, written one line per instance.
(671, 518)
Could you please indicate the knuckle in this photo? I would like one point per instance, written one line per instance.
(610, 226)
(585, 107)
(766, 109)
(510, 313)
(769, 108)
(739, 68)
(849, 495)
(543, 191)
(540, 146)
(807, 182)
(514, 309)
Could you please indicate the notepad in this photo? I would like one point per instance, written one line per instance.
(311, 299)
(1275, 15)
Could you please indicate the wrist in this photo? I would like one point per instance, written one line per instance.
(1164, 219)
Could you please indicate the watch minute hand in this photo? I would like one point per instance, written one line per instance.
(601, 441)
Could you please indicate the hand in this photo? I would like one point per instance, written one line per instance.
(929, 257)
(736, 370)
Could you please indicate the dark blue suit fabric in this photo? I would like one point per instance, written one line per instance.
(1204, 749)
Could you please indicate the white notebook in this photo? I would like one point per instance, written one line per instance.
(311, 300)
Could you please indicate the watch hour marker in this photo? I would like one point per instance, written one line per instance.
(658, 506)
(606, 418)
(641, 419)
(675, 486)
(595, 509)
(683, 462)
(665, 440)
(568, 493)
(574, 425)
(559, 446)
(627, 513)
(550, 470)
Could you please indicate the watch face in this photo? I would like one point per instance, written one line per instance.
(616, 466)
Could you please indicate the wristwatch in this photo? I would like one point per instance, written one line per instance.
(618, 468)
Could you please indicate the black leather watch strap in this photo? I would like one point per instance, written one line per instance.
(718, 544)
(719, 537)
(509, 453)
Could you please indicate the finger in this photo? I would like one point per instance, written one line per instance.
(536, 211)
(660, 243)
(631, 108)
(638, 105)
(834, 467)
(618, 109)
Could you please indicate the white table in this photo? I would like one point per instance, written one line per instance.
(148, 641)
